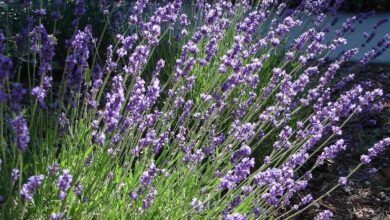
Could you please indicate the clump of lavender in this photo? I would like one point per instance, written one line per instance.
(210, 113)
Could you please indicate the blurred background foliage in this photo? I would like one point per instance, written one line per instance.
(366, 5)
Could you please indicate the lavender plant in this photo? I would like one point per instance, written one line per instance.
(172, 110)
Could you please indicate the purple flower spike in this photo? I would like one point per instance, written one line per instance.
(148, 175)
(56, 216)
(79, 8)
(6, 65)
(235, 216)
(147, 202)
(63, 183)
(77, 61)
(114, 102)
(324, 215)
(375, 150)
(78, 189)
(29, 188)
(22, 136)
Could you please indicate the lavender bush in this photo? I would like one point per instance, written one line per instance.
(172, 110)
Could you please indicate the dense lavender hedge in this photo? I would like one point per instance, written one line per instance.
(116, 110)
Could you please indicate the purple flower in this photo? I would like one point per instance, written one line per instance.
(375, 150)
(137, 60)
(167, 13)
(148, 175)
(79, 8)
(15, 174)
(43, 44)
(243, 132)
(184, 20)
(98, 138)
(114, 102)
(331, 151)
(194, 158)
(55, 15)
(40, 92)
(365, 159)
(17, 95)
(324, 215)
(2, 40)
(343, 181)
(160, 142)
(63, 183)
(240, 172)
(148, 200)
(144, 142)
(97, 82)
(63, 123)
(22, 135)
(110, 64)
(277, 74)
(235, 216)
(378, 147)
(306, 200)
(244, 151)
(370, 55)
(3, 97)
(78, 189)
(186, 111)
(153, 91)
(257, 212)
(40, 12)
(29, 188)
(88, 161)
(56, 216)
(350, 53)
(137, 103)
(133, 195)
(77, 61)
(136, 15)
(6, 65)
(197, 205)
(127, 44)
(53, 169)
(247, 190)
